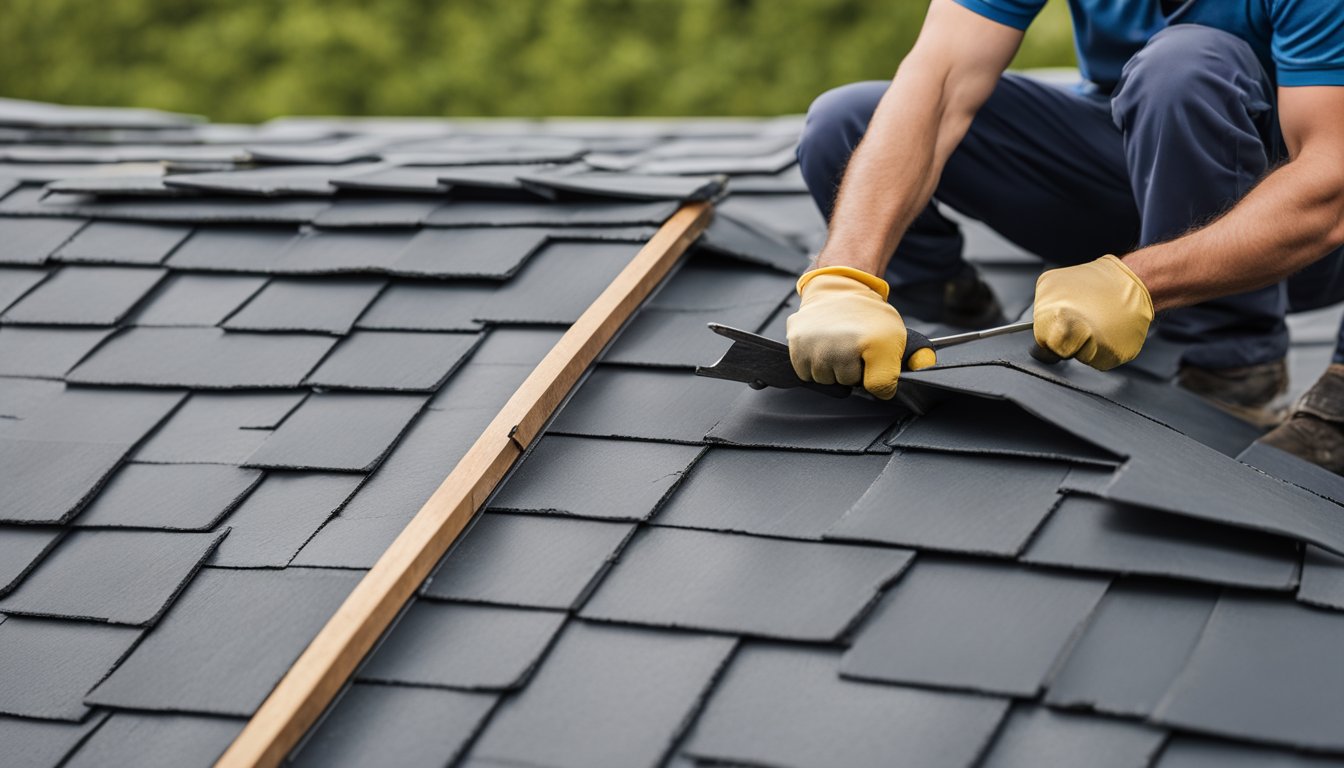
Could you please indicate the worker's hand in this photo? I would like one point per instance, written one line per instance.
(1097, 312)
(845, 332)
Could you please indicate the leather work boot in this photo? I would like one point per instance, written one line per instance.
(1315, 430)
(965, 301)
(1247, 392)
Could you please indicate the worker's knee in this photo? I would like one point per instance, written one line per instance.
(1189, 66)
(836, 122)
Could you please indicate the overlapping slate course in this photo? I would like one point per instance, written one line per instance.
(1012, 565)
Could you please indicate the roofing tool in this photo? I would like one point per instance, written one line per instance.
(761, 362)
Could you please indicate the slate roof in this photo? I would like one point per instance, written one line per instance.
(224, 390)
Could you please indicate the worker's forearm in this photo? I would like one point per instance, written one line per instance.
(1292, 218)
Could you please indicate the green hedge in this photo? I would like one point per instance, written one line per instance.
(252, 59)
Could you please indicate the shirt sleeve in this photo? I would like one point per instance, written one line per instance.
(1307, 43)
(1017, 14)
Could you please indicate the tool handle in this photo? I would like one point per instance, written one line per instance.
(919, 351)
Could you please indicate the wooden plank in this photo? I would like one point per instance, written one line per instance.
(309, 686)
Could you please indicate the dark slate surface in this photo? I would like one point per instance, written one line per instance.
(46, 666)
(232, 249)
(203, 358)
(403, 362)
(317, 307)
(42, 743)
(184, 497)
(1190, 752)
(619, 402)
(1322, 579)
(31, 241)
(21, 547)
(338, 432)
(218, 428)
(116, 242)
(770, 419)
(157, 741)
(16, 281)
(277, 519)
(84, 296)
(51, 481)
(45, 352)
(1036, 736)
(196, 299)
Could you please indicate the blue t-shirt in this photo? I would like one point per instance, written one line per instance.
(1300, 42)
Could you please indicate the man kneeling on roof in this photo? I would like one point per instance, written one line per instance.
(1203, 156)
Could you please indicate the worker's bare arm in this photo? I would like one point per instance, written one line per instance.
(951, 71)
(1292, 217)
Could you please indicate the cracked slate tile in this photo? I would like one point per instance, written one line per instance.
(769, 493)
(338, 431)
(453, 645)
(1132, 648)
(278, 518)
(486, 252)
(1194, 752)
(203, 358)
(403, 362)
(463, 213)
(173, 497)
(573, 476)
(47, 666)
(527, 560)
(988, 505)
(786, 705)
(31, 241)
(17, 281)
(734, 239)
(218, 428)
(325, 252)
(43, 743)
(182, 667)
(747, 585)
(394, 726)
(121, 577)
(316, 306)
(1035, 736)
(196, 300)
(972, 625)
(1230, 686)
(800, 419)
(652, 405)
(605, 696)
(48, 482)
(116, 242)
(46, 352)
(156, 741)
(1322, 579)
(233, 249)
(1094, 534)
(21, 548)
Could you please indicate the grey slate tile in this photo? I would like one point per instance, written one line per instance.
(194, 209)
(42, 743)
(712, 284)
(976, 504)
(653, 405)
(1101, 535)
(1132, 647)
(509, 214)
(47, 666)
(351, 542)
(743, 584)
(192, 299)
(388, 211)
(801, 419)
(478, 387)
(277, 519)
(516, 346)
(628, 186)
(114, 242)
(404, 362)
(1035, 736)
(1322, 579)
(527, 560)
(325, 306)
(680, 338)
(16, 281)
(395, 727)
(31, 241)
(1291, 469)
(486, 252)
(202, 358)
(769, 493)
(1090, 480)
(610, 479)
(476, 647)
(786, 705)
(21, 398)
(182, 667)
(794, 216)
(326, 252)
(1264, 669)
(157, 741)
(121, 416)
(45, 352)
(585, 268)
(1193, 752)
(218, 428)
(48, 482)
(21, 548)
(336, 431)
(422, 306)
(233, 249)
(605, 696)
(176, 497)
(974, 625)
(488, 177)
(730, 237)
(121, 577)
(411, 179)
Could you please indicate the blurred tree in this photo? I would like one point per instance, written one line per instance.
(254, 59)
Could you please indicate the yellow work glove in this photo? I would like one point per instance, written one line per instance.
(1097, 312)
(845, 332)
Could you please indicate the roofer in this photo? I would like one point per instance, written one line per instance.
(1198, 173)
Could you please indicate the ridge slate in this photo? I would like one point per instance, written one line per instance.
(47, 666)
(196, 299)
(898, 507)
(181, 667)
(606, 696)
(218, 428)
(472, 647)
(743, 584)
(114, 242)
(280, 516)
(178, 497)
(402, 362)
(652, 405)
(156, 741)
(527, 560)
(337, 431)
(573, 476)
(972, 625)
(785, 705)
(1036, 736)
(21, 548)
(43, 743)
(202, 358)
(327, 306)
(46, 352)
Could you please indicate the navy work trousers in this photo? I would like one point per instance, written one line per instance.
(1070, 175)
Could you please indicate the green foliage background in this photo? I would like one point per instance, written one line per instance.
(248, 60)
